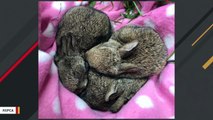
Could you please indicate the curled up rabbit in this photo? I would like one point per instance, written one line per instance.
(108, 93)
(131, 52)
(80, 29)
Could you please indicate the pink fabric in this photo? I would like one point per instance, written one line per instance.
(154, 100)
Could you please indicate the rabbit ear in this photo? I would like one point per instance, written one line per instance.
(127, 48)
(68, 44)
(128, 68)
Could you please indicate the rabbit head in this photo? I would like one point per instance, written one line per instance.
(73, 73)
(107, 57)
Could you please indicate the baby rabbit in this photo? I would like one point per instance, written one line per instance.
(85, 27)
(80, 29)
(106, 93)
(132, 52)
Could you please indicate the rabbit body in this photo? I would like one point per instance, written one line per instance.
(107, 93)
(132, 52)
(85, 27)
(80, 29)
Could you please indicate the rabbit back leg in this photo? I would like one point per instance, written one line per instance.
(118, 104)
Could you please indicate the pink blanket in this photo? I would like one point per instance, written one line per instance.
(154, 100)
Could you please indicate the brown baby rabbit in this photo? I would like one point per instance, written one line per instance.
(80, 29)
(85, 27)
(132, 52)
(107, 93)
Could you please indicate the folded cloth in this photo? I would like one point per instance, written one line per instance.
(154, 100)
